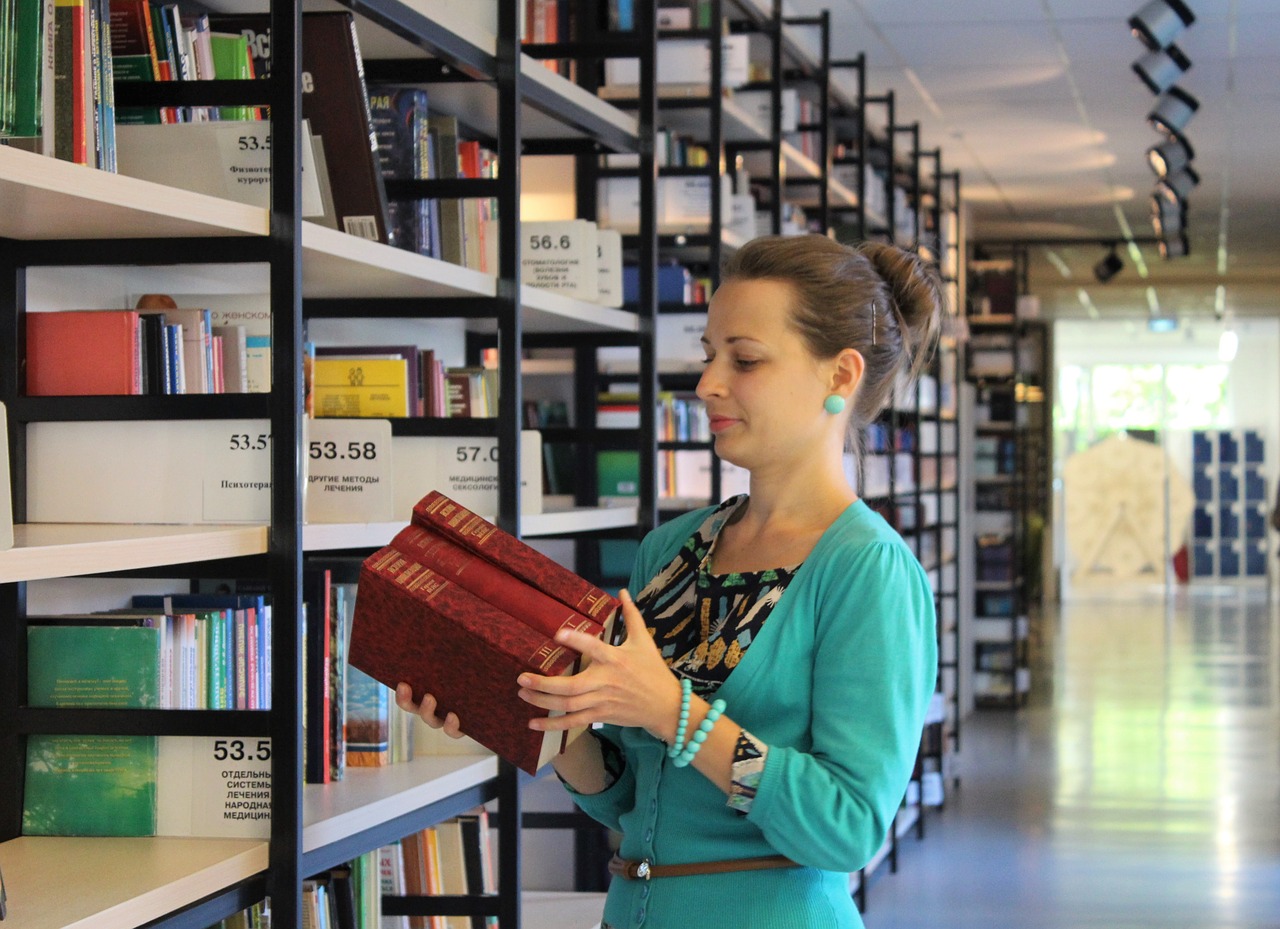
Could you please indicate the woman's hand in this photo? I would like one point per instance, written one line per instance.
(427, 710)
(625, 685)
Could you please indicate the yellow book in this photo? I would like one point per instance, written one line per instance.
(372, 387)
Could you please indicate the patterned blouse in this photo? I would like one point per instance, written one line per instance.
(703, 623)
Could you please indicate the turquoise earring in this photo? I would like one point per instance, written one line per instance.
(834, 404)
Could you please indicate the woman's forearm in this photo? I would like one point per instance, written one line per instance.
(581, 765)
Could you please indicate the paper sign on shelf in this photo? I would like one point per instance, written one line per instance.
(561, 256)
(465, 470)
(229, 159)
(349, 471)
(237, 474)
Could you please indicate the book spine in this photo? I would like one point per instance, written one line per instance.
(486, 580)
(457, 523)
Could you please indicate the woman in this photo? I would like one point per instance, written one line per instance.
(762, 718)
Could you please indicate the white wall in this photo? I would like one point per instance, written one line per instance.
(1253, 396)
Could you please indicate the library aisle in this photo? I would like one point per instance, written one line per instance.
(1142, 792)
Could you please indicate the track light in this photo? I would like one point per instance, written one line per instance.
(1175, 247)
(1168, 158)
(1161, 69)
(1159, 22)
(1168, 219)
(1172, 112)
(1177, 187)
(1108, 267)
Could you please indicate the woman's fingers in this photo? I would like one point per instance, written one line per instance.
(426, 710)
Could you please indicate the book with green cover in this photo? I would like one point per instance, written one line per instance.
(97, 784)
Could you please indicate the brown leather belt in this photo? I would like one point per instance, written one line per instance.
(645, 869)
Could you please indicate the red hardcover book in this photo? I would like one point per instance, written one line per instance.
(76, 353)
(476, 534)
(492, 584)
(413, 624)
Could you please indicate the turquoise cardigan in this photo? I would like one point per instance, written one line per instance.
(836, 685)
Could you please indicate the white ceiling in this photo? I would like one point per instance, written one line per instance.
(1036, 104)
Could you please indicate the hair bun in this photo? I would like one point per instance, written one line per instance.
(915, 289)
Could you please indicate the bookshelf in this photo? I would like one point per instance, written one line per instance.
(1006, 358)
(108, 227)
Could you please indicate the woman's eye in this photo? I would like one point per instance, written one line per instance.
(746, 363)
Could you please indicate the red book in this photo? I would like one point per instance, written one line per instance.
(476, 534)
(413, 625)
(457, 608)
(489, 582)
(81, 352)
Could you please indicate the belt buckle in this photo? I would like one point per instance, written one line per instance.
(642, 869)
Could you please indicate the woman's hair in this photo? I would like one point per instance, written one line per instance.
(879, 299)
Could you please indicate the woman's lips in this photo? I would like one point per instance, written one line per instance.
(720, 423)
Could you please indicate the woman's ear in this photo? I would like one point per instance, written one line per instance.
(846, 373)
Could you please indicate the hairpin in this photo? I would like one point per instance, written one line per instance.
(873, 322)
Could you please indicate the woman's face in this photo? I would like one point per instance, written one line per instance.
(762, 387)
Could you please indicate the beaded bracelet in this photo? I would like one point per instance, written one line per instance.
(692, 747)
(686, 690)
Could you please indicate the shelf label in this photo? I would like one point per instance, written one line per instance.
(214, 786)
(348, 471)
(237, 473)
(562, 257)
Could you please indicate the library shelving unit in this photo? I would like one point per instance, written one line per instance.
(1005, 360)
(73, 235)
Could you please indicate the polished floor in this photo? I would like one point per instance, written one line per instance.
(1139, 789)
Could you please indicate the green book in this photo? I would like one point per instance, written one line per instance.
(231, 62)
(98, 784)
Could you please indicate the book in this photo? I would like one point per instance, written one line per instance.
(377, 387)
(335, 101)
(83, 352)
(466, 649)
(410, 353)
(103, 785)
(444, 135)
(133, 53)
(399, 116)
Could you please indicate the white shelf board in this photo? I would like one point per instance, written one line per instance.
(737, 124)
(545, 311)
(335, 264)
(49, 550)
(62, 882)
(368, 796)
(47, 198)
(559, 517)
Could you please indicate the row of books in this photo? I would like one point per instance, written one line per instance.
(397, 381)
(349, 719)
(679, 417)
(158, 42)
(141, 352)
(455, 857)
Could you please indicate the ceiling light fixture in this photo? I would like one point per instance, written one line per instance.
(1172, 112)
(1109, 266)
(1161, 69)
(1168, 219)
(1159, 22)
(1176, 187)
(1170, 157)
